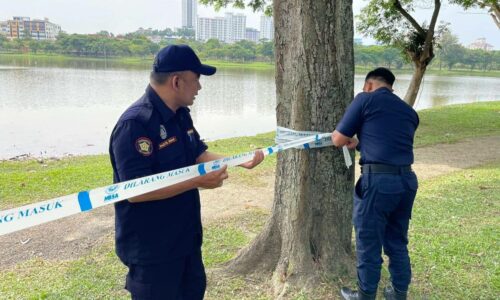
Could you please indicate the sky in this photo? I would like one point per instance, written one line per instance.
(91, 16)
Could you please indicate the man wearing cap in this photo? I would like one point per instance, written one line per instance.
(383, 197)
(159, 234)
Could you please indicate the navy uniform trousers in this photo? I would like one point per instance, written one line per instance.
(162, 281)
(382, 210)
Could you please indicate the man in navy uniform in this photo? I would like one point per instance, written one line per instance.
(384, 194)
(159, 234)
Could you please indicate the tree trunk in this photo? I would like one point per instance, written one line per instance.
(309, 232)
(415, 82)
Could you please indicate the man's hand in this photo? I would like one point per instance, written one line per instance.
(340, 140)
(213, 179)
(352, 143)
(257, 159)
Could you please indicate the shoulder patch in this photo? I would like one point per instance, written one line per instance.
(144, 146)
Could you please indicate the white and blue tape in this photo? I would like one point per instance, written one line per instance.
(23, 217)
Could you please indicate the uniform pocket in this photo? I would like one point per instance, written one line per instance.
(359, 208)
(358, 188)
(390, 190)
(412, 181)
(389, 184)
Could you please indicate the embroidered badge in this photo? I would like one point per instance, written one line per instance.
(144, 146)
(168, 142)
(163, 132)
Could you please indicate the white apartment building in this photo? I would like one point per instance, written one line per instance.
(228, 29)
(252, 34)
(266, 28)
(210, 28)
(235, 27)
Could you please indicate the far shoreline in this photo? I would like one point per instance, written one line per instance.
(440, 124)
(145, 63)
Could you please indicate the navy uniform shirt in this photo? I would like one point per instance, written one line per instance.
(150, 138)
(385, 126)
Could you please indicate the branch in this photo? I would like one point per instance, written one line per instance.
(494, 10)
(495, 19)
(430, 32)
(408, 17)
(495, 13)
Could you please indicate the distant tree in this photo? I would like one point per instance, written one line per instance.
(450, 51)
(212, 44)
(265, 49)
(485, 59)
(391, 57)
(390, 22)
(361, 57)
(185, 32)
(34, 46)
(472, 58)
(3, 42)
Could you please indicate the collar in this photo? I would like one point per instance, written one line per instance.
(165, 112)
(383, 89)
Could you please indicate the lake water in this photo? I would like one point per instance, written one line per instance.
(53, 110)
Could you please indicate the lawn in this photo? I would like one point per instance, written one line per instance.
(454, 232)
(454, 246)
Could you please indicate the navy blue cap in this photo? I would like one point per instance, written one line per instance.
(176, 58)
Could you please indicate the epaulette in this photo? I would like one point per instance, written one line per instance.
(140, 111)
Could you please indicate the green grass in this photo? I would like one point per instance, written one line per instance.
(30, 181)
(24, 182)
(452, 123)
(454, 240)
(454, 246)
(100, 275)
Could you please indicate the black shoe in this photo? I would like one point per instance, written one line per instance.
(348, 294)
(390, 293)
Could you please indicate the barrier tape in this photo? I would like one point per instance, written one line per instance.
(30, 215)
(284, 135)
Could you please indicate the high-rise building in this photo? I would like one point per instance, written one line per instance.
(228, 29)
(210, 28)
(252, 34)
(266, 28)
(23, 27)
(235, 27)
(189, 13)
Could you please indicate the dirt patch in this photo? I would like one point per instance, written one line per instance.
(74, 236)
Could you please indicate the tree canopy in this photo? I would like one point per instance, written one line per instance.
(492, 6)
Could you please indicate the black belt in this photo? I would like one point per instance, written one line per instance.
(387, 169)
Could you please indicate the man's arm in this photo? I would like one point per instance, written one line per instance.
(340, 140)
(211, 180)
(209, 156)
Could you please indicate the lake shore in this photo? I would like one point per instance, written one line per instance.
(444, 124)
(145, 63)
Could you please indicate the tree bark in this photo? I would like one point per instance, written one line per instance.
(309, 232)
(415, 82)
